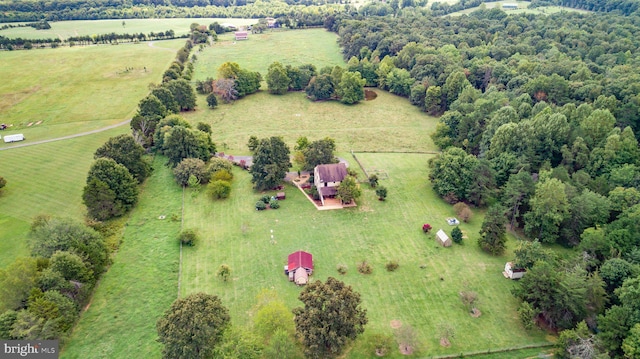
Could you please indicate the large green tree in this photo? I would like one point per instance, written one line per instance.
(549, 207)
(270, 163)
(124, 150)
(318, 153)
(183, 93)
(331, 316)
(493, 232)
(50, 235)
(181, 142)
(192, 327)
(16, 281)
(277, 79)
(320, 87)
(452, 174)
(111, 190)
(350, 89)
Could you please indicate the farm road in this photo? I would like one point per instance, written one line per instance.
(67, 137)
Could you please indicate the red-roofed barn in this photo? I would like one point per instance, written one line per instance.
(300, 267)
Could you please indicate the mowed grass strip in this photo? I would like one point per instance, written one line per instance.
(43, 179)
(77, 89)
(65, 29)
(422, 293)
(142, 282)
(290, 47)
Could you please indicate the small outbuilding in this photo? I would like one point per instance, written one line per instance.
(14, 138)
(511, 272)
(299, 267)
(510, 6)
(443, 238)
(242, 35)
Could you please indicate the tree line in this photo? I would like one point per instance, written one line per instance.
(111, 38)
(304, 15)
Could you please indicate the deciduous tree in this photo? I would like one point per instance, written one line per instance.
(270, 163)
(111, 190)
(331, 316)
(124, 150)
(277, 79)
(493, 232)
(193, 326)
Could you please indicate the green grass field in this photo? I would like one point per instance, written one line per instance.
(77, 89)
(290, 47)
(140, 285)
(235, 234)
(43, 179)
(65, 29)
(523, 8)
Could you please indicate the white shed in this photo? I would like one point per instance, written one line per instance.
(513, 273)
(443, 239)
(14, 138)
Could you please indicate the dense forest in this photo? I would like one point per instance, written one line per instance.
(539, 123)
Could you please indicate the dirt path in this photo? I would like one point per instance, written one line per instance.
(67, 137)
(151, 44)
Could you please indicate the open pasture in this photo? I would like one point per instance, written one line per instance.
(70, 90)
(388, 123)
(422, 293)
(290, 47)
(43, 179)
(523, 8)
(65, 29)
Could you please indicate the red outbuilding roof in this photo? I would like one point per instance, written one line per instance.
(300, 259)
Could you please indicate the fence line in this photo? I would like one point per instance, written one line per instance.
(492, 351)
(360, 164)
(181, 226)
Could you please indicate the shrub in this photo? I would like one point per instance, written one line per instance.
(212, 100)
(456, 235)
(188, 237)
(392, 265)
(265, 199)
(216, 164)
(342, 269)
(426, 228)
(381, 192)
(219, 189)
(260, 206)
(3, 182)
(222, 175)
(373, 181)
(274, 204)
(224, 272)
(463, 211)
(365, 268)
(353, 173)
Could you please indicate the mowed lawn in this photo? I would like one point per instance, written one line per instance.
(142, 282)
(70, 90)
(422, 293)
(66, 29)
(290, 47)
(43, 179)
(388, 123)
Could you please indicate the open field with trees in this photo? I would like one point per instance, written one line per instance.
(42, 183)
(141, 284)
(65, 29)
(423, 292)
(523, 8)
(312, 46)
(83, 89)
